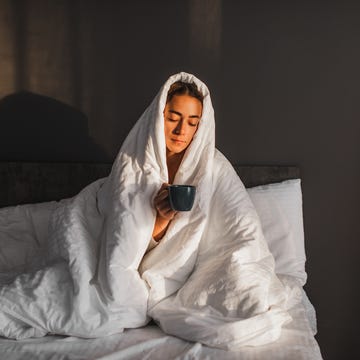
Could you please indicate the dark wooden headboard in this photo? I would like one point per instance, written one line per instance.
(22, 182)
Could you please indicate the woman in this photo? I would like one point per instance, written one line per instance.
(182, 114)
(209, 279)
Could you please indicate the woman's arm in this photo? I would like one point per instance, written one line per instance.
(164, 213)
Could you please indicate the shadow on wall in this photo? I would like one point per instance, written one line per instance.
(39, 128)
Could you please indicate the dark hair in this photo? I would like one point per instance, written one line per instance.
(183, 88)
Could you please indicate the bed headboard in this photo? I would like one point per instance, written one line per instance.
(23, 182)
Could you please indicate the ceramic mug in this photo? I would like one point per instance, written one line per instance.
(181, 197)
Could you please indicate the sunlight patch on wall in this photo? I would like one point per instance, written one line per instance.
(7, 51)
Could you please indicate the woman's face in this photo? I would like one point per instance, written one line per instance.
(181, 118)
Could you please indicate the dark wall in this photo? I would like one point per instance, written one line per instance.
(284, 79)
(290, 94)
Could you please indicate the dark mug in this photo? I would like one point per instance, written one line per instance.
(181, 197)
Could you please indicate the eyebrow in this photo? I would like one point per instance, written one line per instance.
(180, 114)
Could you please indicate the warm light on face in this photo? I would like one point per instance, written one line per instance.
(181, 118)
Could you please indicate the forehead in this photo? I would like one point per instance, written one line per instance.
(185, 104)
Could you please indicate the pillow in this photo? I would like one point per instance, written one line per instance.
(23, 235)
(279, 207)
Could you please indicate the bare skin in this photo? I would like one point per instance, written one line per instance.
(181, 118)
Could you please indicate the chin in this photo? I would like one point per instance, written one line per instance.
(175, 149)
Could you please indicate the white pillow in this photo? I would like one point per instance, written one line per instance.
(279, 207)
(23, 235)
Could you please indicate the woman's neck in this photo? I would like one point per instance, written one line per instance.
(173, 161)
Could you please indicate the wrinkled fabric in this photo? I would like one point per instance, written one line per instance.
(211, 278)
(232, 297)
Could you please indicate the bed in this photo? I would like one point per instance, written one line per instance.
(276, 194)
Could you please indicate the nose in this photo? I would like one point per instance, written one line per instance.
(180, 128)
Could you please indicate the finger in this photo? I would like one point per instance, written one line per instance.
(167, 215)
(163, 188)
(161, 202)
(163, 206)
(167, 212)
(170, 214)
(161, 196)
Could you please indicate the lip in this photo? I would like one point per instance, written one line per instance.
(177, 141)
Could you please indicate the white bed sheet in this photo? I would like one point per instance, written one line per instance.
(297, 342)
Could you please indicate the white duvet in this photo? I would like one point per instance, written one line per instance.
(79, 267)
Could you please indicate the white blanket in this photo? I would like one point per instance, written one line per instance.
(296, 342)
(211, 279)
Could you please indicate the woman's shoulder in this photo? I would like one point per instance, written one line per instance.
(223, 169)
(226, 181)
(221, 163)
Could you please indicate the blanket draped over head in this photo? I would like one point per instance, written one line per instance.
(211, 278)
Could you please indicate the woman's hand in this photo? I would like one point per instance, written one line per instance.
(162, 203)
(164, 212)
